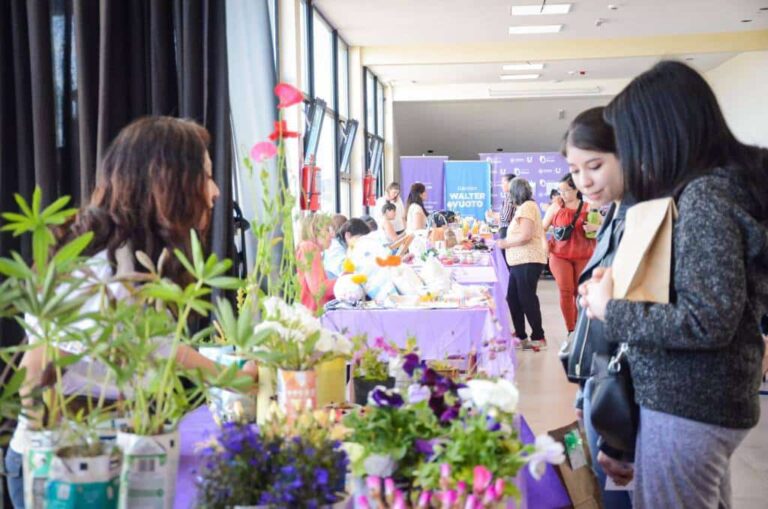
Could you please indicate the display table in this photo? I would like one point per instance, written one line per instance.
(198, 425)
(439, 332)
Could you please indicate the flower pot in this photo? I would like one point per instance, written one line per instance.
(296, 391)
(37, 464)
(362, 387)
(225, 405)
(331, 381)
(150, 465)
(76, 481)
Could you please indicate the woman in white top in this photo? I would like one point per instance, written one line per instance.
(392, 195)
(154, 185)
(417, 214)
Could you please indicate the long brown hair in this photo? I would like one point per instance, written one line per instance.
(150, 192)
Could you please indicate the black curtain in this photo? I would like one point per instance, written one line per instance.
(75, 72)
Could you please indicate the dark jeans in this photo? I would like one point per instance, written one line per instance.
(523, 301)
(13, 462)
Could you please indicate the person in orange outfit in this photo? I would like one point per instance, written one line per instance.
(316, 235)
(569, 252)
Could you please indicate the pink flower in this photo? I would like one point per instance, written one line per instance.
(445, 470)
(481, 479)
(262, 151)
(449, 498)
(373, 483)
(461, 488)
(288, 95)
(399, 502)
(362, 502)
(499, 486)
(490, 495)
(424, 499)
(472, 502)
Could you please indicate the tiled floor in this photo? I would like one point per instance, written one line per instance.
(546, 401)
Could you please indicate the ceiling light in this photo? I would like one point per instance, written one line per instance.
(537, 10)
(535, 29)
(523, 67)
(510, 77)
(562, 92)
(613, 7)
(746, 21)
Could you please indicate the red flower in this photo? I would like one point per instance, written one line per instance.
(288, 95)
(281, 131)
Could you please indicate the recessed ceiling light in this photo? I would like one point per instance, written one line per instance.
(535, 29)
(537, 10)
(523, 67)
(613, 7)
(513, 77)
(746, 21)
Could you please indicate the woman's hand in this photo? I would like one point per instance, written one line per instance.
(621, 473)
(596, 293)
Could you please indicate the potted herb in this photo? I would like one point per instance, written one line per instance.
(291, 339)
(370, 367)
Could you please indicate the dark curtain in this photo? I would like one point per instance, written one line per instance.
(74, 72)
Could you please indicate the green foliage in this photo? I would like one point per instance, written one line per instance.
(370, 366)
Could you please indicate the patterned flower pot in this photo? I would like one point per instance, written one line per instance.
(150, 465)
(37, 464)
(296, 391)
(76, 481)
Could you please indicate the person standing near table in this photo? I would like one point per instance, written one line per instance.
(524, 245)
(316, 236)
(504, 216)
(569, 256)
(417, 214)
(392, 195)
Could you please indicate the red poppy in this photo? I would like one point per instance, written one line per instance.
(281, 131)
(288, 95)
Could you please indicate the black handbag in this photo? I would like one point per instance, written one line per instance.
(565, 232)
(614, 413)
(571, 353)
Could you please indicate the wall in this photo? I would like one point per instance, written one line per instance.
(740, 85)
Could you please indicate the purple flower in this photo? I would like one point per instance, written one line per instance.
(383, 397)
(425, 447)
(411, 362)
(449, 414)
(493, 424)
(321, 476)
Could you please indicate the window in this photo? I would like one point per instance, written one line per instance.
(272, 7)
(304, 42)
(326, 161)
(322, 53)
(370, 102)
(379, 109)
(343, 62)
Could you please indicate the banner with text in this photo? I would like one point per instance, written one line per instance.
(429, 171)
(468, 187)
(542, 169)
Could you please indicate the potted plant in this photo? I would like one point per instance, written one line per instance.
(296, 463)
(50, 293)
(291, 339)
(370, 367)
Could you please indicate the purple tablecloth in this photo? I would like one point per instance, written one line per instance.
(548, 493)
(439, 332)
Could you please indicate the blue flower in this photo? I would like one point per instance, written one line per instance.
(321, 476)
(383, 397)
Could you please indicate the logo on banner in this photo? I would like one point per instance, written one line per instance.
(529, 159)
(558, 170)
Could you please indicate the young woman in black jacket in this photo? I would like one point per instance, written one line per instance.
(696, 361)
(589, 148)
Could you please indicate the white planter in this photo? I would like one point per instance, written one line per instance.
(227, 405)
(37, 464)
(150, 465)
(75, 482)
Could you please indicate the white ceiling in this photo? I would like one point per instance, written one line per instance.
(408, 22)
(462, 129)
(600, 69)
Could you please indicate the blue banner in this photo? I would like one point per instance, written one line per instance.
(468, 187)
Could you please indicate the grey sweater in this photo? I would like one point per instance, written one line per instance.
(699, 357)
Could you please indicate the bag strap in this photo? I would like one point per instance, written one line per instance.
(576, 216)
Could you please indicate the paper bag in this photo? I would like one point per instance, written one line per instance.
(643, 263)
(576, 472)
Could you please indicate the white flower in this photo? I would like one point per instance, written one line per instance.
(275, 308)
(343, 345)
(502, 394)
(547, 451)
(326, 343)
(418, 393)
(270, 326)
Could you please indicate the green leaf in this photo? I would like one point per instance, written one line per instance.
(10, 268)
(37, 200)
(73, 249)
(55, 207)
(197, 253)
(22, 203)
(184, 261)
(13, 385)
(227, 283)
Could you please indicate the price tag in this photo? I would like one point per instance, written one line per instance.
(574, 448)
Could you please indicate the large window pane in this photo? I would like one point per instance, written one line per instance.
(323, 63)
(370, 101)
(343, 79)
(346, 202)
(327, 164)
(380, 110)
(304, 37)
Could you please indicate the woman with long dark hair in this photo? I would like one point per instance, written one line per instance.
(590, 150)
(153, 186)
(695, 361)
(568, 254)
(416, 213)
